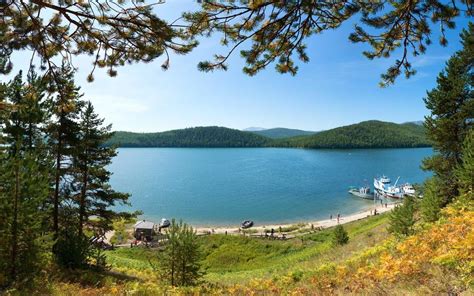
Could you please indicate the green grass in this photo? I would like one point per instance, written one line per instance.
(238, 259)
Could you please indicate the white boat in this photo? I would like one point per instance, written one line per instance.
(164, 223)
(382, 185)
(408, 189)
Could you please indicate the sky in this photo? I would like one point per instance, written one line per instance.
(337, 87)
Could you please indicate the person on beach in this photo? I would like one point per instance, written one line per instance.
(338, 216)
(272, 232)
(330, 217)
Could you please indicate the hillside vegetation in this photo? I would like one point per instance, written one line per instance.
(211, 136)
(280, 133)
(368, 134)
(437, 259)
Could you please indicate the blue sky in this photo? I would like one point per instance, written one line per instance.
(339, 86)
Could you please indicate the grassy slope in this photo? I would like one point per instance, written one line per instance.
(235, 259)
(438, 259)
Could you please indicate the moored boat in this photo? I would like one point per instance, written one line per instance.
(408, 189)
(380, 183)
(363, 192)
(382, 186)
(247, 224)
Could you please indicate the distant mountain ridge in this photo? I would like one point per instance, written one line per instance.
(367, 134)
(254, 129)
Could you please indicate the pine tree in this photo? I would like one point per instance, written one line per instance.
(340, 236)
(179, 262)
(93, 194)
(24, 183)
(465, 170)
(432, 201)
(402, 218)
(452, 108)
(62, 133)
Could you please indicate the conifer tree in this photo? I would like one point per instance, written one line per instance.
(24, 186)
(340, 236)
(432, 201)
(179, 262)
(62, 135)
(452, 109)
(120, 32)
(465, 170)
(93, 194)
(402, 218)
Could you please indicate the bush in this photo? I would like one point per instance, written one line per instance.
(432, 201)
(180, 261)
(402, 218)
(340, 236)
(72, 250)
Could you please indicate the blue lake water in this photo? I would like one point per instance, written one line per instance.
(223, 186)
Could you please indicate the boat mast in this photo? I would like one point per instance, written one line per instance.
(396, 181)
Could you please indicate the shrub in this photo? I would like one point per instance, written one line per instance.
(402, 218)
(340, 236)
(180, 261)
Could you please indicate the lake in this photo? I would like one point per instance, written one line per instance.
(224, 186)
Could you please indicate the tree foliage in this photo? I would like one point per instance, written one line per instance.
(92, 193)
(113, 32)
(433, 200)
(180, 261)
(212, 136)
(465, 170)
(369, 134)
(340, 236)
(451, 104)
(276, 31)
(45, 149)
(402, 218)
(24, 183)
(120, 32)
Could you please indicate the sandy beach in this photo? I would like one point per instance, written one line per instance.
(260, 229)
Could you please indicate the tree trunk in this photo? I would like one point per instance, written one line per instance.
(56, 190)
(14, 250)
(82, 202)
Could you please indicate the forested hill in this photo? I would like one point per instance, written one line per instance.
(210, 136)
(367, 134)
(280, 133)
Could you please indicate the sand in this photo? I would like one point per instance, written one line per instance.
(260, 229)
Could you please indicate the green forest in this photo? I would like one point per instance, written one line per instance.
(211, 136)
(281, 132)
(367, 134)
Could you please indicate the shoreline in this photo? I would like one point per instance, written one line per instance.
(322, 224)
